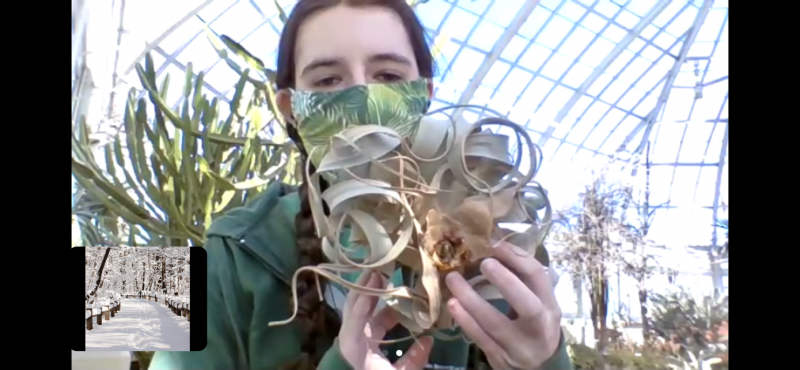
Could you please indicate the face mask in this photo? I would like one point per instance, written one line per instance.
(320, 115)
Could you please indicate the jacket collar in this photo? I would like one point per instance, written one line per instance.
(264, 228)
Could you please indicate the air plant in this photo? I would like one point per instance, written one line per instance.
(427, 205)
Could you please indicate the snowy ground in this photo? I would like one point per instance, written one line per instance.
(140, 325)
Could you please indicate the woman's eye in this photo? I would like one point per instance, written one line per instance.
(327, 82)
(388, 77)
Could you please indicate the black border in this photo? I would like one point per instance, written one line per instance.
(198, 334)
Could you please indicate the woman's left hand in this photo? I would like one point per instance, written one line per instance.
(530, 335)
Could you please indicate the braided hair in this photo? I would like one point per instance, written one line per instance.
(315, 319)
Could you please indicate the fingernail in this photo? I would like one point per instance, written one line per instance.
(451, 277)
(489, 264)
(452, 303)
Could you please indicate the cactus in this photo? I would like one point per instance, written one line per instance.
(170, 172)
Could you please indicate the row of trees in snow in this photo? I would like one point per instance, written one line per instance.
(129, 270)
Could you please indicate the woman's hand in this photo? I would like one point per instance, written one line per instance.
(361, 330)
(530, 335)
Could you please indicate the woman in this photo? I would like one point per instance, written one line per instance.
(332, 45)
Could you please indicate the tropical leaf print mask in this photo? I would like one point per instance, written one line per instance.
(321, 115)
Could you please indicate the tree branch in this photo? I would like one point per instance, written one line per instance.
(99, 275)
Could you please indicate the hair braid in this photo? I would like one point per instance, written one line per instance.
(313, 316)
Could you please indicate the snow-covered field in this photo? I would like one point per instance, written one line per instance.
(140, 325)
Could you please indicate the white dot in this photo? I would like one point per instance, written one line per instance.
(399, 352)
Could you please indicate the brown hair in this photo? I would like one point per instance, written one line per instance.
(313, 317)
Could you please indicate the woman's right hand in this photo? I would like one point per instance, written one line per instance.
(361, 330)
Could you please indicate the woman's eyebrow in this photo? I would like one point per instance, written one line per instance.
(320, 63)
(333, 62)
(389, 57)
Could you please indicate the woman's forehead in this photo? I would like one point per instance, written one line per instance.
(351, 34)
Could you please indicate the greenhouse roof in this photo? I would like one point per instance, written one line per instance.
(586, 78)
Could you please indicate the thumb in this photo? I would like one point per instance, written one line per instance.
(416, 358)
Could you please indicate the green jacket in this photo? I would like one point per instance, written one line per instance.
(251, 258)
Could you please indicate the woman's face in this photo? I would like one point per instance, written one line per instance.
(345, 46)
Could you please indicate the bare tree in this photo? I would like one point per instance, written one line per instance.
(590, 234)
(126, 270)
(163, 271)
(636, 258)
(99, 275)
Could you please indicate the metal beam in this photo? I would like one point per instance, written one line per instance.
(684, 164)
(80, 18)
(650, 120)
(716, 271)
(711, 120)
(149, 46)
(722, 153)
(512, 29)
(610, 58)
(180, 65)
